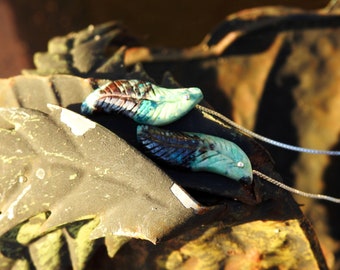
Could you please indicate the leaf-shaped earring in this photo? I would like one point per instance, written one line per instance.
(144, 102)
(197, 152)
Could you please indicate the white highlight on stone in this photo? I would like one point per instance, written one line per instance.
(184, 197)
(73, 176)
(78, 124)
(40, 173)
(22, 179)
(10, 211)
(136, 233)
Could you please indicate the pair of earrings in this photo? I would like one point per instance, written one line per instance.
(149, 104)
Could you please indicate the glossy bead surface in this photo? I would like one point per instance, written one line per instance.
(197, 152)
(144, 102)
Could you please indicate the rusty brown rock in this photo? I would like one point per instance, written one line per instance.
(13, 54)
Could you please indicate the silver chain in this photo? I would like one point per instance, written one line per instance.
(265, 139)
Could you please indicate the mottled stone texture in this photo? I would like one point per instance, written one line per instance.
(300, 104)
(280, 76)
(296, 99)
(283, 82)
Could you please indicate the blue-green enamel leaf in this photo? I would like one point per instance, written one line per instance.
(197, 152)
(144, 102)
(168, 105)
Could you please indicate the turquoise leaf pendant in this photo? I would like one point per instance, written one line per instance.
(144, 102)
(197, 152)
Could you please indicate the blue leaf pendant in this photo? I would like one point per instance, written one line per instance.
(197, 152)
(144, 102)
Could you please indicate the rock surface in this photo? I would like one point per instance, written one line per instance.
(284, 86)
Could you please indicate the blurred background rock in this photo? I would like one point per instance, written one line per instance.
(26, 26)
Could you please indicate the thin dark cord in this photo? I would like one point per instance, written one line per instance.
(296, 191)
(265, 139)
